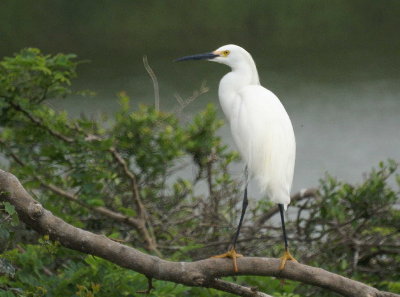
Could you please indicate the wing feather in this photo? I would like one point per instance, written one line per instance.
(263, 133)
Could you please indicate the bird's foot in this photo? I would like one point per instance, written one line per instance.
(287, 256)
(231, 254)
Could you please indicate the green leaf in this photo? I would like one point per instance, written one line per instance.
(9, 208)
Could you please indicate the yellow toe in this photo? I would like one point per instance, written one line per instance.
(287, 256)
(233, 255)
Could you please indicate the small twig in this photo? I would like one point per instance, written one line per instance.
(155, 83)
(307, 193)
(47, 271)
(149, 286)
(356, 257)
(236, 289)
(247, 239)
(132, 177)
(5, 219)
(185, 102)
(142, 212)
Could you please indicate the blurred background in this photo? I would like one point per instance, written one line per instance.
(335, 65)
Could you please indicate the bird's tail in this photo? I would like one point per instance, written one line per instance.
(278, 194)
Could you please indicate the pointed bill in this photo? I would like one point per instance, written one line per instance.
(206, 56)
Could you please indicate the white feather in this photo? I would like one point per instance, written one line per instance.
(260, 125)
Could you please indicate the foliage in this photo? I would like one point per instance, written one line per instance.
(174, 179)
(10, 220)
(354, 230)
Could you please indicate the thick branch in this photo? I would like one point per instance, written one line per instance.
(200, 273)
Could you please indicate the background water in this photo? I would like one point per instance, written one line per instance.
(342, 126)
(335, 65)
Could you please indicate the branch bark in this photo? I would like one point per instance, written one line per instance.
(204, 273)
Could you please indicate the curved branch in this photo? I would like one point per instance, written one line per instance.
(204, 273)
(155, 83)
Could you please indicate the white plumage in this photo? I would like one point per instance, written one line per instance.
(260, 125)
(261, 129)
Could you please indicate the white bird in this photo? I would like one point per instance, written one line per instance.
(261, 129)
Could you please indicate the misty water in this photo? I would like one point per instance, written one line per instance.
(345, 120)
(334, 65)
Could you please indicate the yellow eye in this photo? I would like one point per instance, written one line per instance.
(225, 53)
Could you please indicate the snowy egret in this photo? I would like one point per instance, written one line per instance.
(261, 129)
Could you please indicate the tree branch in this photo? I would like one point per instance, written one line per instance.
(204, 273)
(236, 289)
(142, 212)
(131, 176)
(40, 124)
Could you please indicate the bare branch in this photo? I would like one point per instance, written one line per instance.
(185, 102)
(199, 273)
(155, 83)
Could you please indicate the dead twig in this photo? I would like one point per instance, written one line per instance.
(155, 83)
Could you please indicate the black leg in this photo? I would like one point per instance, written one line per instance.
(286, 255)
(244, 207)
(231, 253)
(281, 210)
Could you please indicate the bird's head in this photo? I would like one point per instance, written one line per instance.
(230, 55)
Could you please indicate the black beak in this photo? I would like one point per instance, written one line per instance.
(206, 56)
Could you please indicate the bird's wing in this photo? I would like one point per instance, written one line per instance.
(264, 135)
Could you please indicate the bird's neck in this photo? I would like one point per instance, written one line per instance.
(242, 75)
